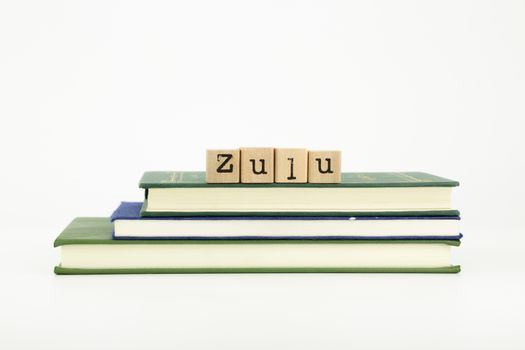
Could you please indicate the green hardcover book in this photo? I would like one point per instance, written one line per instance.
(172, 193)
(87, 247)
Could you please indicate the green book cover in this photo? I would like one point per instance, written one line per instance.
(98, 230)
(167, 179)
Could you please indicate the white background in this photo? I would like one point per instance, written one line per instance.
(94, 93)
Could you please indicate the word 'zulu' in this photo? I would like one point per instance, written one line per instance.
(267, 165)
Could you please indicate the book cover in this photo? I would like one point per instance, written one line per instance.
(170, 179)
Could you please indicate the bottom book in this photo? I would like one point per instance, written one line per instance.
(87, 247)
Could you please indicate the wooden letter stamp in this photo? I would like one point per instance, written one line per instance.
(291, 165)
(222, 166)
(324, 166)
(257, 165)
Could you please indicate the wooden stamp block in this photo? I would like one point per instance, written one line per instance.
(257, 165)
(291, 165)
(223, 166)
(324, 166)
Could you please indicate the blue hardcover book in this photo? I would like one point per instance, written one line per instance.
(128, 224)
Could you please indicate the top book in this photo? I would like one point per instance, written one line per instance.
(376, 193)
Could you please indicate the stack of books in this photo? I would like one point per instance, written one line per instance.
(370, 222)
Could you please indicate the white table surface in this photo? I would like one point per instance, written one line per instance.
(481, 307)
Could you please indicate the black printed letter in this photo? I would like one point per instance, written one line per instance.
(227, 158)
(327, 171)
(262, 171)
(291, 177)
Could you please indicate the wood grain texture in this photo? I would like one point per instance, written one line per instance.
(257, 165)
(324, 166)
(291, 165)
(223, 166)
